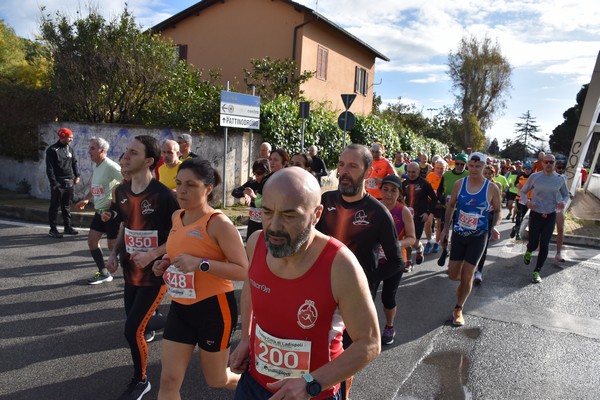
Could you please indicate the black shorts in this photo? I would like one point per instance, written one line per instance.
(510, 195)
(111, 227)
(209, 323)
(468, 248)
(438, 212)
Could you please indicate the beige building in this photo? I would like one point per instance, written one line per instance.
(227, 34)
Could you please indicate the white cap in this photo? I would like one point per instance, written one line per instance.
(481, 157)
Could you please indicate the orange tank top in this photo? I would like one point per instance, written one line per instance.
(194, 240)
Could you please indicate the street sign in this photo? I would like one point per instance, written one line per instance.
(346, 121)
(239, 110)
(348, 99)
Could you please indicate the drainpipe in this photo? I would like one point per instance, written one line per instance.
(296, 28)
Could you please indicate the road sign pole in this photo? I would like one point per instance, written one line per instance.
(225, 161)
(345, 128)
(250, 161)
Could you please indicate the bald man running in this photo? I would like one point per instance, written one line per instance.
(303, 289)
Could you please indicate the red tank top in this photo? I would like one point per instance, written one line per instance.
(296, 325)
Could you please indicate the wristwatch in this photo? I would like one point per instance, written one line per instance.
(204, 265)
(313, 388)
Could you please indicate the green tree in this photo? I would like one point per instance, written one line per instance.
(371, 129)
(480, 75)
(493, 148)
(272, 78)
(186, 101)
(562, 136)
(512, 149)
(526, 133)
(280, 126)
(105, 71)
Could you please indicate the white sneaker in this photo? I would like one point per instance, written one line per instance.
(558, 258)
(478, 278)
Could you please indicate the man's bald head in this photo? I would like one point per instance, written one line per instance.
(170, 152)
(295, 183)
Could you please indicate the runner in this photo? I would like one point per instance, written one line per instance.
(560, 167)
(549, 194)
(106, 174)
(361, 222)
(421, 199)
(512, 178)
(249, 191)
(204, 254)
(393, 199)
(472, 196)
(521, 208)
(145, 206)
(382, 167)
(434, 221)
(303, 289)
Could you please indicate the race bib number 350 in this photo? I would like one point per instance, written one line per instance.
(140, 240)
(281, 358)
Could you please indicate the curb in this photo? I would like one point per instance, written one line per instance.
(78, 219)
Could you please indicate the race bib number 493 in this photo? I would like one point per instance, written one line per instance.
(281, 358)
(140, 240)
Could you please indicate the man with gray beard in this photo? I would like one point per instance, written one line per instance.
(303, 289)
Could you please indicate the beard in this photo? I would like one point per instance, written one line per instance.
(349, 189)
(290, 246)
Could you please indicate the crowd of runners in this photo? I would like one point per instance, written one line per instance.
(312, 260)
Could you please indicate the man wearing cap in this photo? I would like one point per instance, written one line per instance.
(473, 197)
(167, 172)
(185, 143)
(63, 173)
(449, 178)
(549, 193)
(382, 167)
(106, 174)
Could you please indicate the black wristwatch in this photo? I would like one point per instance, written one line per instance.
(204, 265)
(313, 388)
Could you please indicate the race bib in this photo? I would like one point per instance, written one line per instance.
(140, 240)
(281, 358)
(179, 284)
(372, 184)
(97, 192)
(255, 214)
(468, 221)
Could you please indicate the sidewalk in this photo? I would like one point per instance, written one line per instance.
(582, 225)
(22, 206)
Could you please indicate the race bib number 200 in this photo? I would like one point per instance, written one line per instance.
(140, 240)
(281, 358)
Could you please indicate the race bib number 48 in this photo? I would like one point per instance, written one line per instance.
(281, 358)
(140, 240)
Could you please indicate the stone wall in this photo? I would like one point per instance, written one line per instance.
(208, 146)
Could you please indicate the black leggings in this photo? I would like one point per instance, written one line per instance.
(388, 292)
(541, 227)
(484, 255)
(140, 304)
(521, 211)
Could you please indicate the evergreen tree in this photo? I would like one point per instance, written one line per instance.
(526, 133)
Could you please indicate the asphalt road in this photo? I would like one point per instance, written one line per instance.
(62, 339)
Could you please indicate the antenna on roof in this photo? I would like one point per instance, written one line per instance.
(317, 5)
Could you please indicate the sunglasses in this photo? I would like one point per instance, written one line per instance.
(548, 162)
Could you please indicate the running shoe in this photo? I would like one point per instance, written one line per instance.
(508, 216)
(536, 277)
(558, 257)
(70, 231)
(442, 259)
(408, 266)
(513, 232)
(428, 248)
(436, 248)
(419, 257)
(136, 390)
(457, 317)
(99, 277)
(388, 335)
(149, 336)
(518, 237)
(478, 278)
(527, 257)
(55, 234)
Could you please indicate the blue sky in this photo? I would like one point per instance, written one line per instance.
(551, 44)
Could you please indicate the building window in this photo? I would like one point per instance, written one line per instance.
(361, 81)
(181, 52)
(322, 56)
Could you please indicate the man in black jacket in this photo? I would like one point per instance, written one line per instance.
(318, 168)
(63, 173)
